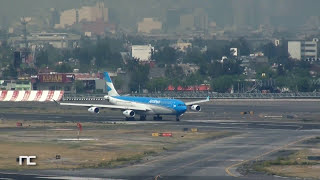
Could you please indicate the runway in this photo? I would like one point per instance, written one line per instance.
(255, 138)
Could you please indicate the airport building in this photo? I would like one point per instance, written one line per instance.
(69, 82)
(15, 85)
(303, 50)
(54, 81)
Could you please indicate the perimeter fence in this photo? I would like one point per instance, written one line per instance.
(200, 95)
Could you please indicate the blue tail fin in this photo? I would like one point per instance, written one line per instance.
(110, 88)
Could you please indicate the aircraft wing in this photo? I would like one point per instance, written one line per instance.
(197, 102)
(106, 106)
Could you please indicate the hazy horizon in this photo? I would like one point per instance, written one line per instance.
(224, 12)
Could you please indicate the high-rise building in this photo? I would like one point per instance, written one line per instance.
(55, 18)
(201, 20)
(148, 25)
(245, 13)
(85, 14)
(187, 22)
(173, 19)
(303, 50)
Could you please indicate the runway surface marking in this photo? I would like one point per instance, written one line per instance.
(78, 139)
(188, 164)
(264, 154)
(192, 149)
(205, 159)
(78, 178)
(61, 129)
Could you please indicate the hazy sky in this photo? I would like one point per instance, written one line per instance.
(224, 12)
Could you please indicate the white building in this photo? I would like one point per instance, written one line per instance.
(142, 52)
(302, 50)
(234, 52)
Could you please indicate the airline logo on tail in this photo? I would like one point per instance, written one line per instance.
(110, 88)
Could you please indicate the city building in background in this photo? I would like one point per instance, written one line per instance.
(234, 52)
(303, 50)
(172, 19)
(181, 46)
(201, 20)
(149, 25)
(86, 13)
(187, 22)
(142, 52)
(57, 40)
(98, 27)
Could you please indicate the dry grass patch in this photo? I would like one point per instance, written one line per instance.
(109, 145)
(295, 165)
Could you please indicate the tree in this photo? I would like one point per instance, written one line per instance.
(194, 55)
(276, 53)
(80, 87)
(174, 74)
(10, 73)
(217, 49)
(241, 44)
(166, 55)
(63, 68)
(42, 58)
(158, 84)
(194, 79)
(269, 50)
(223, 83)
(139, 75)
(117, 81)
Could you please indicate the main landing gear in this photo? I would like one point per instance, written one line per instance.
(143, 117)
(157, 118)
(130, 119)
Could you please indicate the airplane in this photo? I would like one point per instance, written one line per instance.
(143, 106)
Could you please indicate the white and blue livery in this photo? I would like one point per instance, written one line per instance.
(142, 106)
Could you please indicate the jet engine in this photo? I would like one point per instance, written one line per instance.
(94, 110)
(129, 113)
(195, 108)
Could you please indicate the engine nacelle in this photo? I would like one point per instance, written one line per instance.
(94, 110)
(129, 113)
(195, 108)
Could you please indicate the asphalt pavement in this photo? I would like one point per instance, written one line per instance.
(256, 137)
